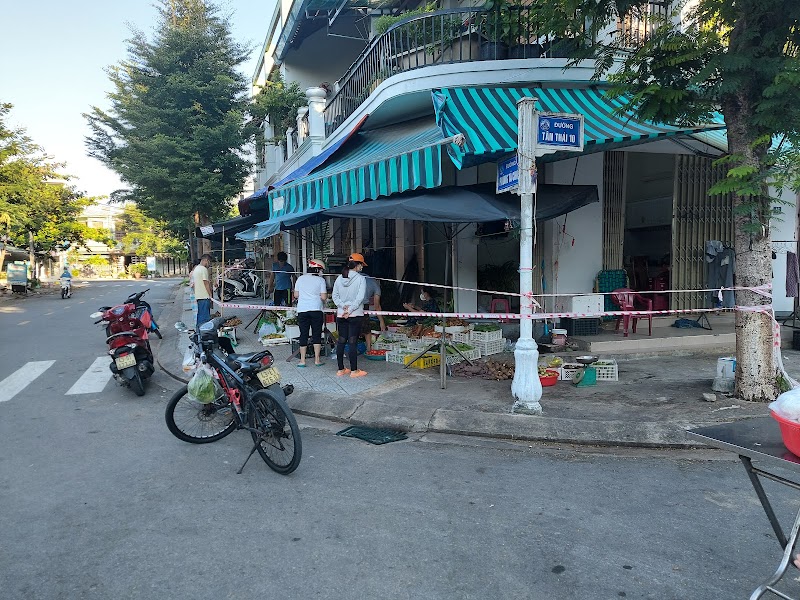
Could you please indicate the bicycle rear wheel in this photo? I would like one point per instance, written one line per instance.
(275, 430)
(198, 423)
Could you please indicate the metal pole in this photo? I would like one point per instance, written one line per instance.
(222, 278)
(442, 347)
(526, 386)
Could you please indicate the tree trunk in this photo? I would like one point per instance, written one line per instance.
(755, 365)
(192, 249)
(203, 243)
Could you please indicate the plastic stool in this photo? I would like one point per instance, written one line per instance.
(500, 305)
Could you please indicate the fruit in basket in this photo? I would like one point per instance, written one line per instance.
(555, 362)
(273, 336)
(376, 352)
(232, 322)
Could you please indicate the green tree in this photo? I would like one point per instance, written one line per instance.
(145, 236)
(175, 128)
(36, 204)
(737, 57)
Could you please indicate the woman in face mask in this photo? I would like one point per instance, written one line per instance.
(349, 293)
(426, 305)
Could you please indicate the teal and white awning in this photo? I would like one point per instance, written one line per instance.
(488, 119)
(373, 164)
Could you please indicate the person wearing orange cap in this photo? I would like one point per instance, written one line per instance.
(349, 294)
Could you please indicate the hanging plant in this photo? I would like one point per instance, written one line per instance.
(278, 102)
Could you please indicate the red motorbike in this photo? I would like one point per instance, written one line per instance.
(131, 357)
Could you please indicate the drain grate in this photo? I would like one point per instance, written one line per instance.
(373, 436)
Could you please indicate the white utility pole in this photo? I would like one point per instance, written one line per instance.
(526, 386)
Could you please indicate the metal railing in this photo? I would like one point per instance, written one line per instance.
(441, 37)
(639, 24)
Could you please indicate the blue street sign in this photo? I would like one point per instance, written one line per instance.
(507, 174)
(559, 132)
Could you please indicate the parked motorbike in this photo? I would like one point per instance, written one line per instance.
(66, 288)
(131, 357)
(141, 305)
(246, 285)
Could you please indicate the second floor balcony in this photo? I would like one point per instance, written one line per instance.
(464, 36)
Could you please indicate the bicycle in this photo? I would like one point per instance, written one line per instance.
(251, 398)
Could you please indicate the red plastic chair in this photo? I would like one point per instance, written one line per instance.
(627, 299)
(500, 305)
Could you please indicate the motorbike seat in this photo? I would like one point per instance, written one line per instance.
(246, 362)
(122, 334)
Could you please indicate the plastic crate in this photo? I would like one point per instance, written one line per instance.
(490, 347)
(607, 372)
(388, 345)
(423, 362)
(417, 345)
(568, 371)
(394, 335)
(398, 357)
(462, 337)
(486, 336)
(580, 327)
(431, 340)
(455, 358)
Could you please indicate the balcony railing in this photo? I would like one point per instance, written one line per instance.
(441, 37)
(640, 23)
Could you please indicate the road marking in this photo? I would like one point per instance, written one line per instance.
(23, 322)
(94, 379)
(19, 380)
(48, 313)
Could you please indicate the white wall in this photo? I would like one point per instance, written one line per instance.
(572, 268)
(320, 58)
(465, 269)
(783, 227)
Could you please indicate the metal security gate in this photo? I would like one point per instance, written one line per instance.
(696, 218)
(613, 209)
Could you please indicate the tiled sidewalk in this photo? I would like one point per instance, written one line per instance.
(311, 378)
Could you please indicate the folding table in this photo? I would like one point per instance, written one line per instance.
(760, 440)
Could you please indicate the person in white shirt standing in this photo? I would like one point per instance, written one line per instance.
(202, 289)
(310, 292)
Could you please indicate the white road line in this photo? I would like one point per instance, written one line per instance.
(19, 379)
(94, 379)
(23, 322)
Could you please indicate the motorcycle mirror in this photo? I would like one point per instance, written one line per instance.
(181, 326)
(96, 315)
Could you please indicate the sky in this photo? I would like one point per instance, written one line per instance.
(53, 56)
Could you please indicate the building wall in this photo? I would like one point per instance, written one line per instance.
(572, 267)
(783, 227)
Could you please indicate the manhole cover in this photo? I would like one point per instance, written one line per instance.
(373, 436)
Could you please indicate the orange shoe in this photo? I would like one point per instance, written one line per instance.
(358, 373)
(342, 372)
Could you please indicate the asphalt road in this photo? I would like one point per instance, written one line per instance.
(98, 500)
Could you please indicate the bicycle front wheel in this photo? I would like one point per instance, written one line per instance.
(275, 430)
(199, 423)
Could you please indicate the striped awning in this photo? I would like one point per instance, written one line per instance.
(374, 163)
(488, 119)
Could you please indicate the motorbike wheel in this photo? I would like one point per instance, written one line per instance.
(274, 428)
(197, 423)
(63, 293)
(137, 385)
(227, 293)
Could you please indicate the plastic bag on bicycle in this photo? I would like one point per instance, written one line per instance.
(203, 386)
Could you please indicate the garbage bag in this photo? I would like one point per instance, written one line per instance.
(787, 405)
(189, 361)
(203, 386)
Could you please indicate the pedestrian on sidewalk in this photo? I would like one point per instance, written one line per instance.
(349, 295)
(311, 292)
(281, 280)
(372, 302)
(202, 289)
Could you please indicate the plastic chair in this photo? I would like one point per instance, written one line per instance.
(501, 305)
(626, 299)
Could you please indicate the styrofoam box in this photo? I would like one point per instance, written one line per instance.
(590, 303)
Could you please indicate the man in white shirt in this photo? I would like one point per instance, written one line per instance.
(202, 289)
